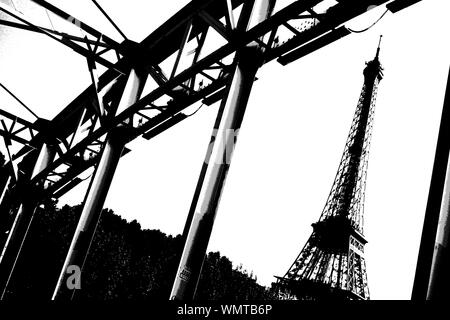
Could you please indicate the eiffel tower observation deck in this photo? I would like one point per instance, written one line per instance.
(331, 266)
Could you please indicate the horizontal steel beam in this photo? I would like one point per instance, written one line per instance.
(164, 41)
(314, 45)
(70, 19)
(398, 5)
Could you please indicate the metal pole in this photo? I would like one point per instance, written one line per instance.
(5, 211)
(2, 195)
(24, 217)
(98, 191)
(440, 272)
(218, 160)
(430, 224)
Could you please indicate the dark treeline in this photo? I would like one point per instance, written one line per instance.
(124, 262)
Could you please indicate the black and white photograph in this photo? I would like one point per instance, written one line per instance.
(223, 158)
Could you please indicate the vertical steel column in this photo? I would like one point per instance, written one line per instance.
(430, 224)
(22, 221)
(439, 285)
(217, 161)
(5, 177)
(4, 189)
(98, 189)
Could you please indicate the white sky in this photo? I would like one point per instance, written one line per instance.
(290, 144)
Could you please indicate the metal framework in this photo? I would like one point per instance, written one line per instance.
(183, 68)
(331, 264)
(432, 278)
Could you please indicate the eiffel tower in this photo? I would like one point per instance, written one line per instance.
(331, 265)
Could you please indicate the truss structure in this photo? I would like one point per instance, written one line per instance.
(331, 265)
(187, 60)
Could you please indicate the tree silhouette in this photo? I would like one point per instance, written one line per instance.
(124, 262)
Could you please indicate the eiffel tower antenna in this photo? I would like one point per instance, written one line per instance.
(379, 46)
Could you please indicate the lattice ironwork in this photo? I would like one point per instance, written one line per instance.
(331, 264)
(182, 71)
(187, 60)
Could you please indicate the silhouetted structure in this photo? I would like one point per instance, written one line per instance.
(331, 264)
(126, 262)
(92, 130)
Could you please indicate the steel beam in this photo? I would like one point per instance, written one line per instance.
(218, 160)
(314, 45)
(155, 49)
(440, 272)
(165, 40)
(182, 45)
(70, 19)
(75, 47)
(42, 30)
(4, 188)
(109, 19)
(433, 211)
(396, 6)
(24, 217)
(5, 179)
(98, 189)
(19, 101)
